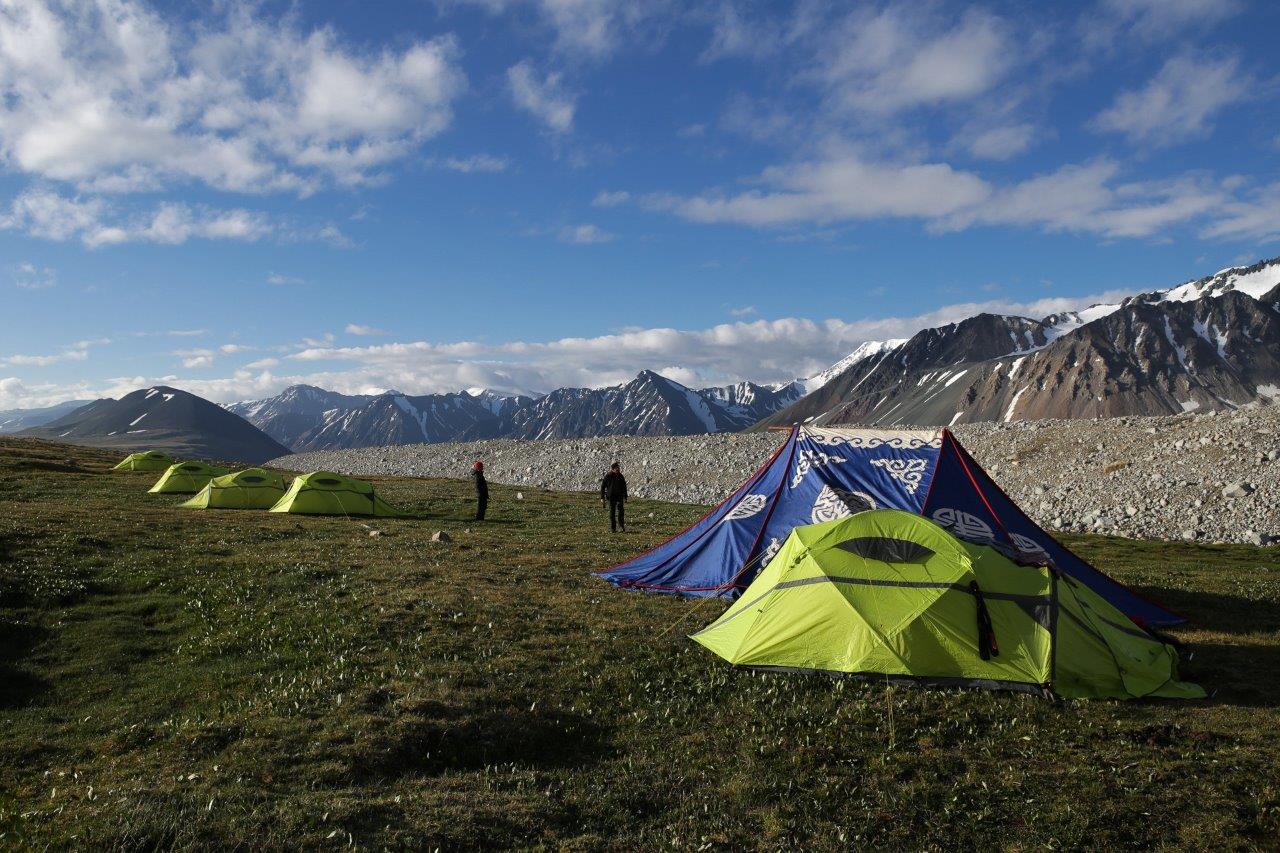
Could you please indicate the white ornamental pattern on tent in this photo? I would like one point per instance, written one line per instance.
(749, 505)
(1027, 545)
(838, 503)
(964, 525)
(810, 459)
(769, 553)
(909, 472)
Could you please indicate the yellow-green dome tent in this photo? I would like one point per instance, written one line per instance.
(889, 593)
(252, 488)
(184, 478)
(151, 460)
(326, 493)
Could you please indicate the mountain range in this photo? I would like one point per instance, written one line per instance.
(1211, 343)
(308, 418)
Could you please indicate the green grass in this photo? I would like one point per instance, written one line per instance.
(211, 679)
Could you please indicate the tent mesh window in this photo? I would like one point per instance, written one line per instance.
(886, 549)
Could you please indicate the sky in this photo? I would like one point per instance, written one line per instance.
(234, 197)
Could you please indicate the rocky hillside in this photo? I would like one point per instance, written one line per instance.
(1210, 344)
(1204, 477)
(166, 419)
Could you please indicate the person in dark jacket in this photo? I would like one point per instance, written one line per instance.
(482, 490)
(613, 491)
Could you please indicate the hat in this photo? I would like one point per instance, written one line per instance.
(478, 466)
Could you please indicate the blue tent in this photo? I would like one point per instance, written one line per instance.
(820, 474)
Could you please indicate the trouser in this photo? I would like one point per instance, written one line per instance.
(482, 503)
(617, 515)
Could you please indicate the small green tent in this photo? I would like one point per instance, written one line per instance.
(185, 478)
(252, 488)
(326, 493)
(151, 460)
(890, 593)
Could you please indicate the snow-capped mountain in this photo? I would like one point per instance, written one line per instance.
(863, 352)
(164, 418)
(308, 418)
(1211, 343)
(296, 410)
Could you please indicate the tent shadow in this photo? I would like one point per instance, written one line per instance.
(1237, 675)
(1228, 614)
(436, 738)
(17, 686)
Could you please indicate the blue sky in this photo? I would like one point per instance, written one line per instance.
(524, 194)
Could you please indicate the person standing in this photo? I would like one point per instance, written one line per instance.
(482, 490)
(613, 491)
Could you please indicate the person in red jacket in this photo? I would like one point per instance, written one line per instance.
(613, 491)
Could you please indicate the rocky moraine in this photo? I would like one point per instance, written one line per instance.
(1211, 477)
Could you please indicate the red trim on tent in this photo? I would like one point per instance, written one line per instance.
(962, 454)
(755, 476)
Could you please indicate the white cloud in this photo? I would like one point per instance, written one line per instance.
(606, 198)
(28, 276)
(744, 311)
(1255, 217)
(476, 163)
(1178, 103)
(356, 329)
(583, 235)
(904, 55)
(110, 96)
(1085, 198)
(94, 222)
(282, 279)
(761, 350)
(843, 187)
(235, 349)
(1159, 19)
(586, 28)
(1001, 142)
(78, 351)
(543, 98)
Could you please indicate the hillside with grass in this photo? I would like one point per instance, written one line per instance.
(173, 677)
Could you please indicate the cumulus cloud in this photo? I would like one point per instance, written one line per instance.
(28, 276)
(366, 331)
(591, 29)
(1178, 103)
(762, 350)
(542, 97)
(476, 163)
(584, 235)
(78, 351)
(606, 198)
(111, 97)
(1085, 198)
(900, 56)
(94, 222)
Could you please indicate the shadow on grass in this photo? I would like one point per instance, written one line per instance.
(1243, 675)
(1229, 614)
(434, 738)
(17, 686)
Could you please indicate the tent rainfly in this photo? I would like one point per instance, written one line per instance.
(326, 493)
(252, 488)
(888, 593)
(185, 478)
(151, 460)
(821, 474)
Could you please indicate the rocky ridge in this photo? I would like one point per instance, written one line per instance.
(1212, 477)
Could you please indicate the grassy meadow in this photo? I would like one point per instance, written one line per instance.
(222, 679)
